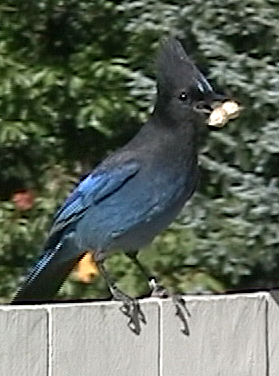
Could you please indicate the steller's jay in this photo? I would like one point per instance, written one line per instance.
(137, 191)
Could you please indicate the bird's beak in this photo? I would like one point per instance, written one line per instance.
(209, 99)
(210, 102)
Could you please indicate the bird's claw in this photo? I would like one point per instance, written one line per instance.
(131, 309)
(181, 311)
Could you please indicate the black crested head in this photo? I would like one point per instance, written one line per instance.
(182, 89)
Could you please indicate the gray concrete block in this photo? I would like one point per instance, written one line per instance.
(273, 333)
(23, 341)
(226, 337)
(93, 339)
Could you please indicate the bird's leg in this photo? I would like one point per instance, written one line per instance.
(156, 289)
(130, 307)
(159, 291)
(116, 293)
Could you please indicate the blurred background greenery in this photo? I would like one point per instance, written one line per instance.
(77, 80)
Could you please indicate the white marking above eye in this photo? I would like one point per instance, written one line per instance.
(203, 84)
(200, 86)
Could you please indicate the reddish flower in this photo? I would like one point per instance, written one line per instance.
(23, 199)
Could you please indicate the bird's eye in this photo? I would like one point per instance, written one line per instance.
(183, 96)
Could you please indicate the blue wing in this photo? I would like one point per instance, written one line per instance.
(93, 189)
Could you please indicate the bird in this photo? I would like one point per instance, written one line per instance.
(136, 191)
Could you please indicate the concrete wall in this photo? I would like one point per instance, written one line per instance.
(235, 335)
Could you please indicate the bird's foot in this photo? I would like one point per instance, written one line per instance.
(181, 311)
(131, 309)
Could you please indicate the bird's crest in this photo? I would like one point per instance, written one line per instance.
(175, 69)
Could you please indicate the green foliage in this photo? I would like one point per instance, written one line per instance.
(77, 81)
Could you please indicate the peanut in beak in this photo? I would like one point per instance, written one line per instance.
(223, 113)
